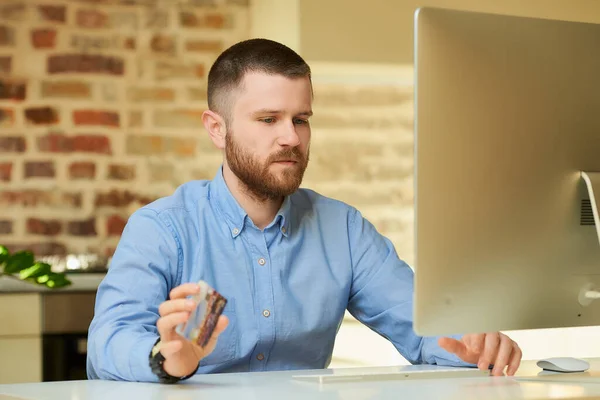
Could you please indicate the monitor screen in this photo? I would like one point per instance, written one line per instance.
(507, 117)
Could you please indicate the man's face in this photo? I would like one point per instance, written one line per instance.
(268, 135)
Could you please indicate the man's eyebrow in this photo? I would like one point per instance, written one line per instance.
(266, 111)
(269, 111)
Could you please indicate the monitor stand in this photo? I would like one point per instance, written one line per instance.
(590, 293)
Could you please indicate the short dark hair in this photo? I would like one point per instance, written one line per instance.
(252, 55)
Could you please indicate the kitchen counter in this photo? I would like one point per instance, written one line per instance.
(81, 282)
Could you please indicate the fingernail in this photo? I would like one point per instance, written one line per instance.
(190, 304)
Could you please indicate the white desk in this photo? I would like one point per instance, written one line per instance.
(280, 385)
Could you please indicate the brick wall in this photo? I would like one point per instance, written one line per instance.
(362, 147)
(362, 153)
(100, 104)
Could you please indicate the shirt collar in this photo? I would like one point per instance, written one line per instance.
(284, 216)
(236, 217)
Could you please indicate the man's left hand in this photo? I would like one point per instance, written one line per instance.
(484, 349)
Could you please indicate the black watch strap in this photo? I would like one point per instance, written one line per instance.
(157, 360)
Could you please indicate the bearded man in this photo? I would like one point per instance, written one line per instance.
(288, 260)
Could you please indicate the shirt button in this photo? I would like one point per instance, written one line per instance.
(261, 261)
(236, 231)
(266, 313)
(283, 229)
(260, 357)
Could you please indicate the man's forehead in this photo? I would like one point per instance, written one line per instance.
(257, 79)
(266, 92)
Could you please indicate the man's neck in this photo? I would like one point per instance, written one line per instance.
(260, 211)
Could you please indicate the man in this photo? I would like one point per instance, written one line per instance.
(289, 260)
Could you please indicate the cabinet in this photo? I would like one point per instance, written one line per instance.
(20, 338)
(21, 359)
(43, 335)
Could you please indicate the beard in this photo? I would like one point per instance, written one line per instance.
(258, 178)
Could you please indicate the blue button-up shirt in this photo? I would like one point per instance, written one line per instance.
(287, 285)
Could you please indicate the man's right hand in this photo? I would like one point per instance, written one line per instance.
(182, 355)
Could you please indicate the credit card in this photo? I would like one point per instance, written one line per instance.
(203, 320)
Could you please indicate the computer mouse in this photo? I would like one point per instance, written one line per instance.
(563, 364)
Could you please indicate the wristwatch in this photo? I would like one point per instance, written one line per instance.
(156, 360)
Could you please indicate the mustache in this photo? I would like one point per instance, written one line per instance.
(292, 154)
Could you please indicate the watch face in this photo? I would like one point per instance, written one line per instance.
(202, 321)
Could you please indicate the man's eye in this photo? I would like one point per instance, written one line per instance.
(300, 121)
(268, 120)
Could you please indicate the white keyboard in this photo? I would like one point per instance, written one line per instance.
(428, 372)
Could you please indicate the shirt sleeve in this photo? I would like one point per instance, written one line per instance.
(142, 272)
(381, 296)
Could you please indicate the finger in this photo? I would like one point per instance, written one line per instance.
(490, 349)
(212, 342)
(504, 353)
(184, 290)
(515, 360)
(453, 346)
(475, 343)
(169, 348)
(172, 306)
(222, 324)
(166, 325)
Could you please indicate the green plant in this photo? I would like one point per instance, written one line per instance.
(22, 265)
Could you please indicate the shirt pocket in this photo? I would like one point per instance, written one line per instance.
(227, 343)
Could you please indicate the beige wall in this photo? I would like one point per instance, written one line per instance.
(277, 20)
(349, 31)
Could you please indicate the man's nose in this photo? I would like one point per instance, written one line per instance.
(289, 136)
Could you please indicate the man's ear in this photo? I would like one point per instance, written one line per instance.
(215, 125)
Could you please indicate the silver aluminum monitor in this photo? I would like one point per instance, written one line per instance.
(507, 124)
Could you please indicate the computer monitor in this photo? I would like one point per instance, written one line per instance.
(507, 117)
